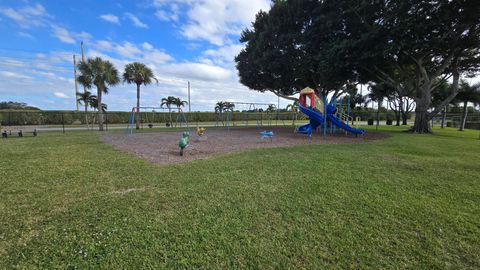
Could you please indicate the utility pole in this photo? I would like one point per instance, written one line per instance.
(83, 60)
(189, 104)
(76, 85)
(83, 52)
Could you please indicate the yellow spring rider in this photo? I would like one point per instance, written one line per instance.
(200, 132)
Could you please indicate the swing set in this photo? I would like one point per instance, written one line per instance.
(256, 109)
(154, 117)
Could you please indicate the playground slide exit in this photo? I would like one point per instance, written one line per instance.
(316, 119)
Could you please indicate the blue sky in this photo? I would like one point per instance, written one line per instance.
(180, 40)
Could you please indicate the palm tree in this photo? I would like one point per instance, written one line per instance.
(168, 102)
(86, 99)
(101, 74)
(271, 108)
(293, 108)
(94, 104)
(222, 106)
(228, 106)
(467, 93)
(180, 103)
(139, 74)
(219, 107)
(378, 92)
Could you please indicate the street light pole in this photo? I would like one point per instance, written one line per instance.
(189, 104)
(76, 85)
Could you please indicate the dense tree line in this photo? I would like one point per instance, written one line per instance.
(12, 105)
(409, 46)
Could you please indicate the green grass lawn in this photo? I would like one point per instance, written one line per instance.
(411, 201)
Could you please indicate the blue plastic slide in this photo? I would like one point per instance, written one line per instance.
(316, 119)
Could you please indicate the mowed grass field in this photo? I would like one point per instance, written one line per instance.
(410, 201)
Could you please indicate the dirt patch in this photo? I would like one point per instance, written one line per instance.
(162, 147)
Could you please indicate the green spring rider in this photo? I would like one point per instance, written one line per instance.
(184, 141)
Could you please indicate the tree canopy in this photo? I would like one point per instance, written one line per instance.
(411, 45)
(12, 105)
(101, 74)
(138, 73)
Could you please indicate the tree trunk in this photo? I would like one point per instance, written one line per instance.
(170, 116)
(422, 120)
(464, 116)
(422, 123)
(100, 110)
(404, 119)
(138, 107)
(403, 111)
(396, 110)
(379, 104)
(444, 116)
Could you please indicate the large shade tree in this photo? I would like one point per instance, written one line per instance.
(138, 74)
(409, 44)
(293, 46)
(413, 45)
(101, 74)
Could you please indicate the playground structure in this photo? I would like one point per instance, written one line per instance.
(246, 109)
(322, 115)
(163, 147)
(325, 115)
(179, 119)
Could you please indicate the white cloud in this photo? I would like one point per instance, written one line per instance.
(49, 72)
(14, 75)
(66, 36)
(223, 55)
(144, 52)
(127, 50)
(36, 10)
(196, 71)
(135, 20)
(211, 20)
(25, 35)
(104, 45)
(62, 34)
(27, 16)
(172, 14)
(60, 95)
(82, 36)
(110, 18)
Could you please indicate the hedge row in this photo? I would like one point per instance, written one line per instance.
(13, 118)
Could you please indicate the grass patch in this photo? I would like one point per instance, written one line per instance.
(410, 201)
